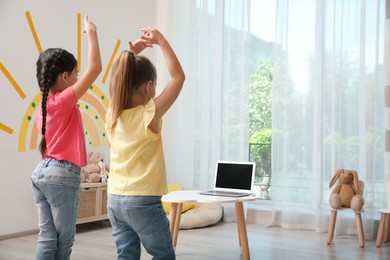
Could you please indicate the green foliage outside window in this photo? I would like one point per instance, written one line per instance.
(260, 126)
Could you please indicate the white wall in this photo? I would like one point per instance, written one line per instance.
(56, 26)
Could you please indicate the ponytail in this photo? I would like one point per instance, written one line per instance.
(128, 73)
(121, 85)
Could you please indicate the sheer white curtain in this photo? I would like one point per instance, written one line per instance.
(327, 98)
(328, 108)
(387, 103)
(210, 120)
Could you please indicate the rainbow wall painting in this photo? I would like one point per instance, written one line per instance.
(92, 105)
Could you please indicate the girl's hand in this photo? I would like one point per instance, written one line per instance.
(88, 25)
(152, 35)
(139, 45)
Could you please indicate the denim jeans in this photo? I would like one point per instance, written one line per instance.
(139, 219)
(56, 188)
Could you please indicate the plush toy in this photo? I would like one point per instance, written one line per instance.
(92, 172)
(347, 193)
(103, 171)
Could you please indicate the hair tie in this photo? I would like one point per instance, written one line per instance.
(134, 58)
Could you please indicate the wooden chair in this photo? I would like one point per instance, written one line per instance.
(384, 227)
(358, 218)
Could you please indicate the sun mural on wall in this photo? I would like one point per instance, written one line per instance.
(92, 105)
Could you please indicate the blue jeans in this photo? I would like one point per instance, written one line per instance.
(56, 188)
(139, 219)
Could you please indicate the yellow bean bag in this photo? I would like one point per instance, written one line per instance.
(195, 215)
(202, 215)
(167, 205)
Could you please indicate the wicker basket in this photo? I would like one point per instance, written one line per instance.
(103, 202)
(88, 204)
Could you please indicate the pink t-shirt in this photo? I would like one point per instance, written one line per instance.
(65, 139)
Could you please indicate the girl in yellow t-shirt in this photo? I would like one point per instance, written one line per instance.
(137, 168)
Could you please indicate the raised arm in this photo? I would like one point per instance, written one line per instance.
(172, 89)
(94, 61)
(139, 45)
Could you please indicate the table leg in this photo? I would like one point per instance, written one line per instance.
(172, 216)
(242, 234)
(381, 226)
(176, 226)
(386, 228)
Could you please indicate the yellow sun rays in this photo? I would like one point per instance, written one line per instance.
(118, 43)
(33, 32)
(92, 105)
(17, 88)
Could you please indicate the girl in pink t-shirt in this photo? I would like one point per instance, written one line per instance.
(56, 179)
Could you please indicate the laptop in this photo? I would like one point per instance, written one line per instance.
(233, 179)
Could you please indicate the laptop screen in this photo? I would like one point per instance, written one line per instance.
(235, 175)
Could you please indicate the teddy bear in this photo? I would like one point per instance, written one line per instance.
(92, 171)
(347, 193)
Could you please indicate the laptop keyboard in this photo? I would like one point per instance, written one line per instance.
(224, 193)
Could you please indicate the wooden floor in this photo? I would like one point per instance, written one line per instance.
(93, 241)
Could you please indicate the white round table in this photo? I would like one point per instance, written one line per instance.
(177, 198)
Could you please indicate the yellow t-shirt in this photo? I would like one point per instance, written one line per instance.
(137, 166)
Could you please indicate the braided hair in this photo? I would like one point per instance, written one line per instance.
(50, 64)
